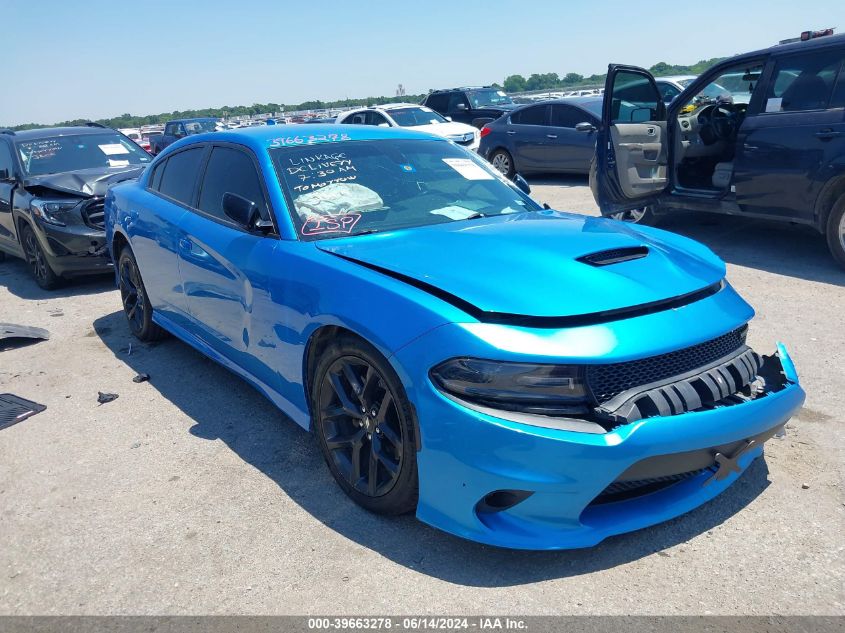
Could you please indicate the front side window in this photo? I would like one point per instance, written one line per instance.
(635, 98)
(534, 115)
(60, 154)
(487, 97)
(457, 99)
(230, 171)
(376, 118)
(347, 188)
(803, 82)
(414, 116)
(567, 116)
(179, 175)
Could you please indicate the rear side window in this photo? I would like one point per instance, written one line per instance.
(180, 175)
(535, 115)
(438, 102)
(6, 159)
(155, 176)
(230, 171)
(803, 82)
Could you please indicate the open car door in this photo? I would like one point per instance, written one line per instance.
(631, 144)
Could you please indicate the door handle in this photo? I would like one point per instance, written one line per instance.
(511, 131)
(551, 135)
(827, 133)
(749, 148)
(185, 244)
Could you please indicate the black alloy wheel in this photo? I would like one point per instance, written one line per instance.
(363, 425)
(40, 268)
(136, 304)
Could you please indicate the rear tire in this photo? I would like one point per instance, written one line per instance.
(645, 216)
(503, 162)
(364, 426)
(35, 257)
(836, 231)
(136, 303)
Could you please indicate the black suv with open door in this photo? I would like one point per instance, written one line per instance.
(768, 143)
(52, 186)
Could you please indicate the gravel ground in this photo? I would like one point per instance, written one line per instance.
(191, 494)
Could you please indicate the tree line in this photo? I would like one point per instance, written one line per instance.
(512, 83)
(551, 81)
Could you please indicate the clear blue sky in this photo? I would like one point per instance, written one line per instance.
(67, 59)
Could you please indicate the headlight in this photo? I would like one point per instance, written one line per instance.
(523, 387)
(54, 212)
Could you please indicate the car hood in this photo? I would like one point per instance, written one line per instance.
(85, 182)
(528, 264)
(447, 130)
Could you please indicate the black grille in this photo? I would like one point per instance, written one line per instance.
(624, 490)
(94, 214)
(607, 381)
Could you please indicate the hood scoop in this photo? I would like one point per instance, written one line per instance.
(614, 256)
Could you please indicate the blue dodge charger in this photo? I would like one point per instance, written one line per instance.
(515, 375)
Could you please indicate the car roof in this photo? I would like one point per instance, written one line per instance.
(261, 137)
(794, 47)
(676, 78)
(193, 118)
(48, 132)
(577, 101)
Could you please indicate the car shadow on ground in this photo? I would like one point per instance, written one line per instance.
(223, 407)
(778, 247)
(15, 275)
(775, 247)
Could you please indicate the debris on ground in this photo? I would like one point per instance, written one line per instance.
(805, 486)
(103, 398)
(14, 409)
(142, 377)
(12, 335)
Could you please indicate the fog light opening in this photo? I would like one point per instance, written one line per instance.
(500, 500)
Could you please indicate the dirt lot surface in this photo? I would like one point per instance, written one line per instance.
(191, 494)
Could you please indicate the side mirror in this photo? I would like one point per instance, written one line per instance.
(521, 184)
(585, 127)
(460, 106)
(384, 124)
(448, 118)
(244, 212)
(5, 176)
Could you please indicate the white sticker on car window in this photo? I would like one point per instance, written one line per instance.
(775, 104)
(118, 163)
(111, 149)
(468, 169)
(501, 94)
(454, 212)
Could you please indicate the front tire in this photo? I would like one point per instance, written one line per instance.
(836, 231)
(35, 257)
(503, 162)
(644, 215)
(136, 303)
(364, 425)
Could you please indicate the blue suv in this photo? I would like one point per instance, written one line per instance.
(769, 143)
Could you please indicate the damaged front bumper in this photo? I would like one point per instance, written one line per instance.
(516, 485)
(74, 249)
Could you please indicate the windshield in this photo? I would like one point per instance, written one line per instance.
(59, 154)
(354, 187)
(412, 117)
(198, 127)
(711, 91)
(488, 97)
